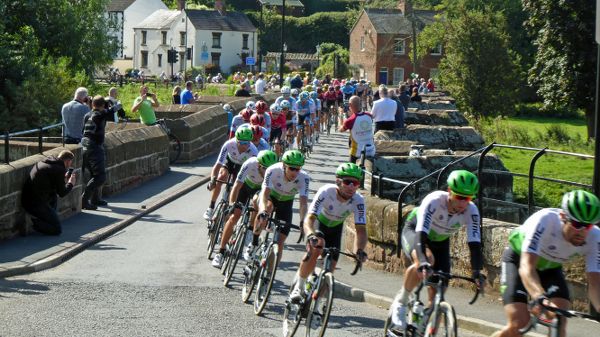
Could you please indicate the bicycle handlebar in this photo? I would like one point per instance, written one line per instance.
(449, 276)
(559, 312)
(357, 261)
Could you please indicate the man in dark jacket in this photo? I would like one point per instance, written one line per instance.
(45, 181)
(93, 151)
(296, 82)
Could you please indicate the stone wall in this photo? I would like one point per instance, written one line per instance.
(382, 224)
(21, 149)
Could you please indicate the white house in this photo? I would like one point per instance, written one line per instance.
(213, 36)
(125, 14)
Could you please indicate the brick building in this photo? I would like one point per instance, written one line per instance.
(381, 42)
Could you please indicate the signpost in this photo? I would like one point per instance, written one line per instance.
(250, 61)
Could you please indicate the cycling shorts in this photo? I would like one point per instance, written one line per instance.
(232, 167)
(275, 133)
(284, 212)
(301, 119)
(246, 193)
(512, 288)
(332, 237)
(439, 249)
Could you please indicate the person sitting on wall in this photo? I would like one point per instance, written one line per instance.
(45, 181)
(244, 90)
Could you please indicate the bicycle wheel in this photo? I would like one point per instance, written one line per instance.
(265, 279)
(320, 307)
(445, 324)
(229, 248)
(235, 253)
(174, 148)
(217, 229)
(292, 316)
(389, 331)
(212, 224)
(250, 276)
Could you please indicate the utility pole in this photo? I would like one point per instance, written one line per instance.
(414, 39)
(282, 59)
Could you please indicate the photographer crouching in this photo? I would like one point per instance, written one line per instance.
(45, 181)
(94, 130)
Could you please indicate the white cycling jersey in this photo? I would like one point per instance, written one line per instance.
(236, 122)
(250, 173)
(433, 218)
(541, 234)
(332, 212)
(291, 99)
(281, 188)
(230, 151)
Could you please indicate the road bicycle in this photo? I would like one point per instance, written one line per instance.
(216, 223)
(261, 269)
(554, 324)
(315, 306)
(304, 147)
(438, 320)
(235, 246)
(174, 143)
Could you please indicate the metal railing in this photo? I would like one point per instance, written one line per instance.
(378, 179)
(40, 138)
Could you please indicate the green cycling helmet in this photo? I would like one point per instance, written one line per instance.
(463, 183)
(244, 134)
(349, 170)
(267, 158)
(581, 206)
(293, 158)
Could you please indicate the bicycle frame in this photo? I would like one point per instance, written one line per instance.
(556, 323)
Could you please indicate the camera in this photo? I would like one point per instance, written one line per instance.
(149, 94)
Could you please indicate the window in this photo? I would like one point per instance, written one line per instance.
(398, 75)
(181, 60)
(362, 43)
(244, 41)
(215, 58)
(383, 75)
(399, 46)
(437, 50)
(144, 58)
(144, 35)
(164, 38)
(182, 38)
(160, 60)
(216, 40)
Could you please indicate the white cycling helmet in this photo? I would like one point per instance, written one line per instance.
(285, 104)
(285, 90)
(250, 105)
(227, 107)
(295, 92)
(275, 108)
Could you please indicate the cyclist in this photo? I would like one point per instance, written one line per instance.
(258, 138)
(532, 262)
(303, 110)
(278, 122)
(347, 91)
(285, 96)
(261, 108)
(291, 121)
(245, 188)
(281, 184)
(425, 237)
(360, 125)
(241, 118)
(315, 112)
(259, 120)
(324, 223)
(294, 93)
(231, 157)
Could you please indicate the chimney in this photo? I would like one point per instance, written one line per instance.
(405, 6)
(220, 6)
(180, 5)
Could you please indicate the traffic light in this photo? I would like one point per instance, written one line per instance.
(175, 56)
(170, 56)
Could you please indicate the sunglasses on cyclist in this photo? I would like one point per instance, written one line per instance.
(293, 169)
(580, 225)
(244, 142)
(352, 182)
(461, 197)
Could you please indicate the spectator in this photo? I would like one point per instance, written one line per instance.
(399, 110)
(164, 78)
(260, 84)
(145, 104)
(415, 97)
(327, 79)
(45, 181)
(217, 79)
(360, 125)
(176, 95)
(404, 97)
(187, 96)
(72, 116)
(112, 100)
(199, 81)
(296, 82)
(244, 90)
(423, 87)
(93, 151)
(236, 77)
(384, 111)
(430, 85)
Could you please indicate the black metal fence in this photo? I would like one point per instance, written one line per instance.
(40, 138)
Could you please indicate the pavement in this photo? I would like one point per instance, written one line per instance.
(33, 253)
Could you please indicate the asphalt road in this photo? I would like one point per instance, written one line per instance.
(153, 279)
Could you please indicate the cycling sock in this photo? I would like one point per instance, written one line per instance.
(221, 250)
(301, 282)
(212, 204)
(255, 239)
(402, 296)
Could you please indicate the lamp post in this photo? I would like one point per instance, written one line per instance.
(318, 56)
(283, 46)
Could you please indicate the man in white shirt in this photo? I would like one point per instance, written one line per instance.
(260, 84)
(384, 111)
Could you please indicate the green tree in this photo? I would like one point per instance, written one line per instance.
(566, 54)
(328, 54)
(478, 69)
